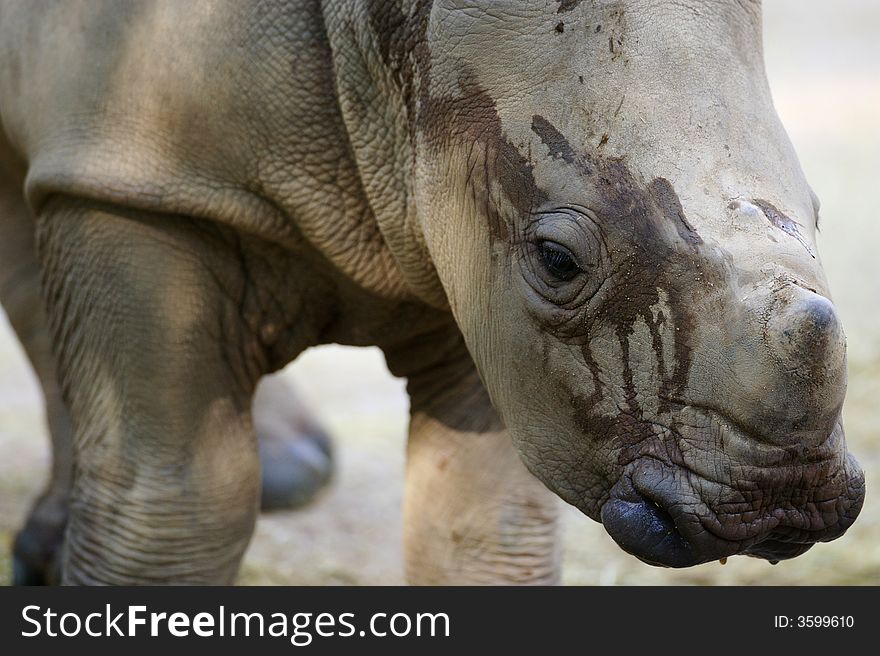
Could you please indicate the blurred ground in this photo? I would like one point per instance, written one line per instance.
(823, 61)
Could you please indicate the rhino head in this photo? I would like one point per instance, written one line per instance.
(627, 243)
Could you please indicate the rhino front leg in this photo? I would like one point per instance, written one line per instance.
(37, 544)
(473, 514)
(153, 324)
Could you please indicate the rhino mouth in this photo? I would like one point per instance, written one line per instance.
(670, 514)
(643, 528)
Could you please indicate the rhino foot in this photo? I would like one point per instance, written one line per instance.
(37, 547)
(295, 468)
(295, 453)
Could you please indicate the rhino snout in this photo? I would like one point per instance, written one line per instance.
(790, 390)
(808, 347)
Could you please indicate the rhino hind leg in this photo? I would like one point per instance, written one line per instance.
(37, 545)
(296, 455)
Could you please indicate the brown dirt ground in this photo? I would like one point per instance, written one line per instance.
(824, 68)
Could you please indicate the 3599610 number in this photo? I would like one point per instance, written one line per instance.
(825, 621)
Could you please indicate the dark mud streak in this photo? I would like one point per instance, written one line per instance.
(567, 5)
(636, 215)
(783, 222)
(588, 402)
(472, 118)
(553, 139)
(668, 200)
(390, 27)
(630, 393)
(403, 47)
(657, 346)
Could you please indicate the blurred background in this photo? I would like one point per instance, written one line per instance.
(823, 61)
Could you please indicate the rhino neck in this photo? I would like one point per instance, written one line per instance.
(375, 51)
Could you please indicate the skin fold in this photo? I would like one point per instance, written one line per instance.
(577, 228)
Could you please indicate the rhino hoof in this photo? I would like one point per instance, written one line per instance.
(25, 574)
(294, 470)
(35, 552)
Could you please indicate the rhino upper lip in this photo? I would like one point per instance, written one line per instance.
(737, 429)
(765, 542)
(759, 531)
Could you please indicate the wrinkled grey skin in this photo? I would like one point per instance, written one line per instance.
(576, 227)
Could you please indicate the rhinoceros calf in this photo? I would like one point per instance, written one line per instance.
(577, 228)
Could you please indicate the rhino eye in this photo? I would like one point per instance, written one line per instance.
(558, 260)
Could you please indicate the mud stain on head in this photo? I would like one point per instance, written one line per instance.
(648, 261)
(661, 189)
(471, 117)
(468, 117)
(567, 5)
(783, 222)
(554, 140)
